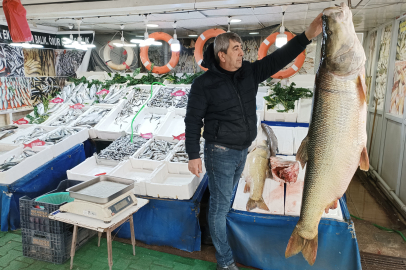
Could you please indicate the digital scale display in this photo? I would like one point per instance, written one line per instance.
(116, 208)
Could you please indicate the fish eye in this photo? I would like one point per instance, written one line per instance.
(329, 32)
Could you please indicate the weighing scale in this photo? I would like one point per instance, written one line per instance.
(101, 198)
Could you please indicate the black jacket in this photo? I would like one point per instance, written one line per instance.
(227, 106)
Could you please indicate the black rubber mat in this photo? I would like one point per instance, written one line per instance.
(371, 261)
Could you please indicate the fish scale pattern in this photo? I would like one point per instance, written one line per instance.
(336, 139)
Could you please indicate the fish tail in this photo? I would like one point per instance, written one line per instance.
(299, 244)
(252, 204)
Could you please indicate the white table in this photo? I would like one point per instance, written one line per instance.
(99, 226)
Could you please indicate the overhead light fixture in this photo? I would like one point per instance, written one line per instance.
(175, 45)
(281, 38)
(152, 25)
(147, 40)
(138, 41)
(235, 20)
(229, 24)
(156, 43)
(254, 33)
(193, 35)
(26, 45)
(122, 43)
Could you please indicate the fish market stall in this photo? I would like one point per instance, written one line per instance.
(248, 226)
(41, 179)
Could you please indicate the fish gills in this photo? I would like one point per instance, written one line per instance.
(336, 141)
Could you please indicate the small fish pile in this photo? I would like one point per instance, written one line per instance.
(182, 103)
(59, 135)
(92, 118)
(6, 133)
(138, 98)
(163, 99)
(15, 160)
(116, 92)
(153, 120)
(14, 92)
(180, 156)
(122, 148)
(8, 127)
(67, 117)
(36, 133)
(157, 150)
(68, 61)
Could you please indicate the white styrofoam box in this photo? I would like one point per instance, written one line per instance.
(136, 170)
(60, 112)
(305, 81)
(263, 89)
(146, 125)
(293, 199)
(174, 88)
(259, 129)
(261, 104)
(88, 169)
(174, 124)
(299, 133)
(273, 115)
(4, 148)
(112, 107)
(27, 165)
(164, 184)
(69, 142)
(285, 139)
(150, 163)
(273, 195)
(304, 110)
(108, 129)
(293, 202)
(23, 132)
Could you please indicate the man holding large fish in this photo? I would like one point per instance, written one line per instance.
(225, 98)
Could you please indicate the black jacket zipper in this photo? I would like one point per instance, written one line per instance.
(243, 111)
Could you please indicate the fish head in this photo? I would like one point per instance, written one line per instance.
(343, 54)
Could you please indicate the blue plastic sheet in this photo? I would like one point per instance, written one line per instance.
(167, 222)
(260, 240)
(36, 183)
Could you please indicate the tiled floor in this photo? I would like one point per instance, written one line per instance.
(361, 204)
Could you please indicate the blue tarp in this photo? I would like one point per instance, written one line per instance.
(36, 183)
(167, 222)
(260, 240)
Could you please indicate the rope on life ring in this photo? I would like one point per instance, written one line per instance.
(162, 69)
(106, 55)
(283, 74)
(206, 35)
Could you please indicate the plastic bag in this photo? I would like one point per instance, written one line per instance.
(17, 21)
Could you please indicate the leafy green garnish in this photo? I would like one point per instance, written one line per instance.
(286, 96)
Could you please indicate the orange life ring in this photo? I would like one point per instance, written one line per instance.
(263, 50)
(206, 35)
(145, 59)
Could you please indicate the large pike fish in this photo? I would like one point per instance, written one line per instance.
(256, 169)
(336, 142)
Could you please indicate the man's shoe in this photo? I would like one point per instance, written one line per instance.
(230, 267)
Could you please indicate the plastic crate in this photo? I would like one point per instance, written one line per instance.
(56, 241)
(34, 215)
(44, 253)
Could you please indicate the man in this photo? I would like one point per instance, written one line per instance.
(225, 97)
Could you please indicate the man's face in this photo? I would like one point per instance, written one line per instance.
(233, 58)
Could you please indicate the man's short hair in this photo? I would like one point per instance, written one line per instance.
(222, 41)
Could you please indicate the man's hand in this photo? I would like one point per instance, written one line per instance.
(314, 28)
(195, 166)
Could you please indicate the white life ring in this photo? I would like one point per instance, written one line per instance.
(106, 54)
